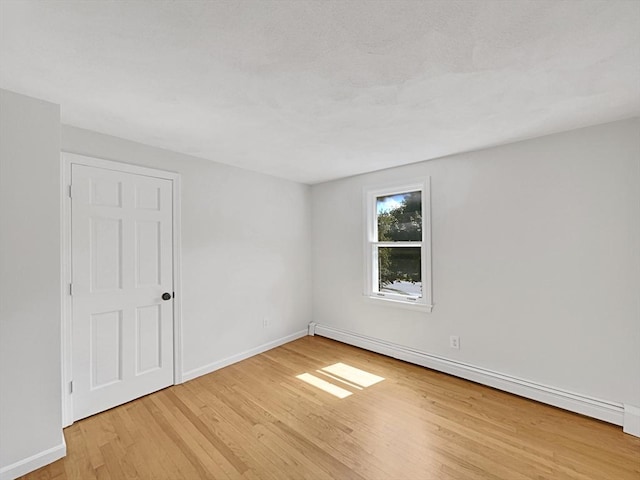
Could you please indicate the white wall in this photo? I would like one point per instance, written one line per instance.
(30, 388)
(536, 260)
(245, 250)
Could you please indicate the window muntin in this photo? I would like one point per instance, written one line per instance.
(398, 250)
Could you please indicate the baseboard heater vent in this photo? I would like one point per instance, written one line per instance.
(592, 407)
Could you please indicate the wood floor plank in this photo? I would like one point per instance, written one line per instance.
(256, 420)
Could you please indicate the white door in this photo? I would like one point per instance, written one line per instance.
(121, 267)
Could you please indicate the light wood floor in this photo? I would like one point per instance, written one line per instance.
(257, 420)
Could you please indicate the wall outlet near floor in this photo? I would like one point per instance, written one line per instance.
(454, 341)
(266, 322)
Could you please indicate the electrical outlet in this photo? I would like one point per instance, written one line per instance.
(454, 342)
(266, 322)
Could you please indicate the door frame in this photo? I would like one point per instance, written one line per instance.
(69, 159)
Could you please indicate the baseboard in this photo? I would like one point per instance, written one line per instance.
(607, 411)
(33, 462)
(631, 420)
(212, 367)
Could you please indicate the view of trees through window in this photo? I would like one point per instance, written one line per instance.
(400, 220)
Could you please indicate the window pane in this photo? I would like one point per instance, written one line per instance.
(399, 270)
(400, 217)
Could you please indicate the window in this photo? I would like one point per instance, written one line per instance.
(398, 250)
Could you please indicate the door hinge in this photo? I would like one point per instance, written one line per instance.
(71, 289)
(70, 191)
(71, 386)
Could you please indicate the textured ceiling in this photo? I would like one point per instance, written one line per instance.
(312, 91)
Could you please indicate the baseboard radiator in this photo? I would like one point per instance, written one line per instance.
(611, 412)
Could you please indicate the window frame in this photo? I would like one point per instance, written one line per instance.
(371, 292)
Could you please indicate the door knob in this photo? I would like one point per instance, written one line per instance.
(166, 296)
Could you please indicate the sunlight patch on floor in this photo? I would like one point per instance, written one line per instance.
(353, 375)
(324, 385)
(341, 380)
(343, 373)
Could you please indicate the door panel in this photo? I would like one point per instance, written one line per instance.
(148, 336)
(148, 249)
(147, 197)
(122, 263)
(106, 348)
(105, 244)
(106, 192)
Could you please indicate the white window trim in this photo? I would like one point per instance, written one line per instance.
(425, 303)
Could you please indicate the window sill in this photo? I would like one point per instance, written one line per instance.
(389, 302)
